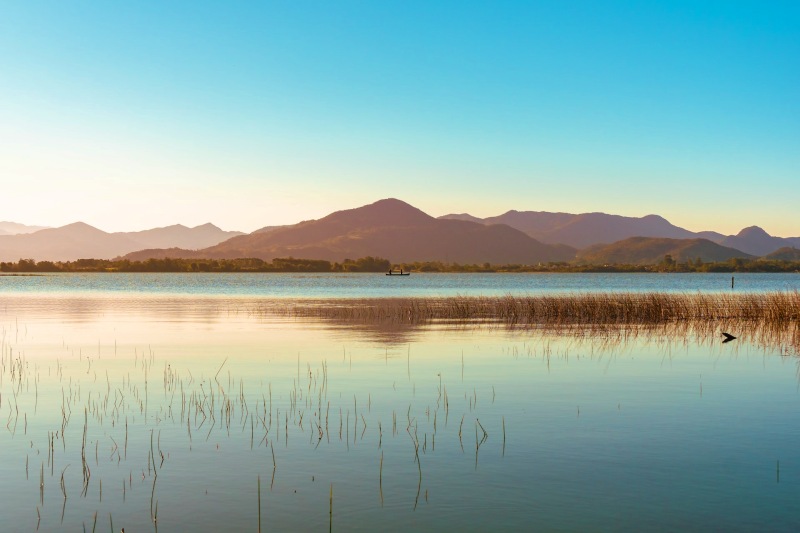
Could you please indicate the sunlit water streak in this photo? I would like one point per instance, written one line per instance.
(659, 429)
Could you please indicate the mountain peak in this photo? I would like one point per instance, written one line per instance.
(753, 231)
(390, 201)
(77, 225)
(386, 212)
(393, 229)
(77, 228)
(207, 225)
(754, 240)
(392, 205)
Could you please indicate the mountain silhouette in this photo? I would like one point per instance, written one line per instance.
(785, 254)
(15, 228)
(398, 231)
(80, 240)
(756, 241)
(67, 243)
(391, 229)
(650, 250)
(587, 229)
(181, 236)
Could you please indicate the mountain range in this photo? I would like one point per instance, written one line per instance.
(81, 241)
(652, 250)
(388, 228)
(395, 230)
(15, 228)
(589, 229)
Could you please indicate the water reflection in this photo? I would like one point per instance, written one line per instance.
(778, 336)
(166, 412)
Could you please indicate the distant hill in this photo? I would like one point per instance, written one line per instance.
(163, 253)
(590, 228)
(181, 236)
(785, 254)
(649, 250)
(587, 229)
(756, 241)
(539, 223)
(391, 229)
(67, 243)
(80, 241)
(463, 216)
(14, 228)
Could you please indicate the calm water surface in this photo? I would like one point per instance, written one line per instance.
(380, 285)
(161, 405)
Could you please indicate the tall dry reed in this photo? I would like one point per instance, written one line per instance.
(562, 309)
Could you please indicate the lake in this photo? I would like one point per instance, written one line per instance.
(164, 402)
(342, 285)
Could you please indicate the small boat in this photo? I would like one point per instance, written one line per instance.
(395, 273)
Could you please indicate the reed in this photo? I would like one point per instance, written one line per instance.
(558, 309)
(380, 479)
(504, 436)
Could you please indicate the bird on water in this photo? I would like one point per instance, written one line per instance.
(728, 337)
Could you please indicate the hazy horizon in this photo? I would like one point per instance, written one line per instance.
(130, 117)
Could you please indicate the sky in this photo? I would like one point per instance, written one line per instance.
(132, 115)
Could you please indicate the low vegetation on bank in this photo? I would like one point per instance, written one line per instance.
(287, 264)
(378, 264)
(666, 265)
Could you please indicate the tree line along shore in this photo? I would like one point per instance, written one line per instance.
(378, 264)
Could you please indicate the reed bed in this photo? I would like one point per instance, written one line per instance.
(770, 320)
(563, 309)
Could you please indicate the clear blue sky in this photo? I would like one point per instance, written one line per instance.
(129, 115)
